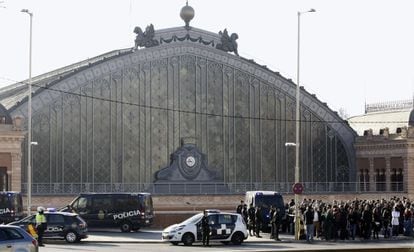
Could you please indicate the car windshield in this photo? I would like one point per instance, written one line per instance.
(193, 219)
(265, 201)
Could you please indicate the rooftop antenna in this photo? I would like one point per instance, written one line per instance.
(365, 97)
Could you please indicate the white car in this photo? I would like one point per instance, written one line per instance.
(225, 227)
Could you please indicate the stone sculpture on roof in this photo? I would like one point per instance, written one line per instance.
(228, 43)
(145, 39)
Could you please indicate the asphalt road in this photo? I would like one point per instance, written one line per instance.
(61, 246)
(149, 240)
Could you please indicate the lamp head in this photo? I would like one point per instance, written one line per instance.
(312, 10)
(26, 11)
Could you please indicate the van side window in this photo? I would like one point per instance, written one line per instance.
(101, 203)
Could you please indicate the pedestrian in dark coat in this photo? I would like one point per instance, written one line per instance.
(205, 229)
(252, 219)
(259, 220)
(366, 222)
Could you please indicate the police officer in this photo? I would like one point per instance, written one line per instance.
(41, 224)
(259, 221)
(239, 208)
(252, 219)
(205, 229)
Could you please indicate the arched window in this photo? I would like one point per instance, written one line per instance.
(400, 177)
(397, 178)
(380, 180)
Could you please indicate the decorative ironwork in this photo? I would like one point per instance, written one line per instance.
(122, 138)
(389, 106)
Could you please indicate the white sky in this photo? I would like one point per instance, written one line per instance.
(352, 51)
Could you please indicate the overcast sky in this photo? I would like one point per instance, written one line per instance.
(352, 51)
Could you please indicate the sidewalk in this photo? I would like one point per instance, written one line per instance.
(154, 236)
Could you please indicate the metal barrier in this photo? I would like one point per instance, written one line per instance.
(209, 188)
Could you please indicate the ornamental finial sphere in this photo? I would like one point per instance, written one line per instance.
(186, 14)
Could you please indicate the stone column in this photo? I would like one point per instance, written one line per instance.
(408, 173)
(388, 174)
(358, 180)
(371, 174)
(16, 172)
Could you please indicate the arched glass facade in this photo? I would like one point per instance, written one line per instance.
(114, 124)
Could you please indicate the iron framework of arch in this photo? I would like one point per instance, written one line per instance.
(111, 126)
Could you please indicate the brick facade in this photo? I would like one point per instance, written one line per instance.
(11, 138)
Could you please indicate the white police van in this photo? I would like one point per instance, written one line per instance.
(225, 227)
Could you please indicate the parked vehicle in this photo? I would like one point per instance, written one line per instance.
(225, 227)
(265, 199)
(11, 207)
(60, 225)
(128, 211)
(14, 238)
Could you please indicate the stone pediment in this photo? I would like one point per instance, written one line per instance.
(187, 163)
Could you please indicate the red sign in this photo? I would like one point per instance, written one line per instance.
(297, 188)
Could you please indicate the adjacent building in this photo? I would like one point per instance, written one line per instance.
(385, 147)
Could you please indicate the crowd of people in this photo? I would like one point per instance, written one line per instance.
(365, 219)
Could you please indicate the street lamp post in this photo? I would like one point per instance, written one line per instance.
(297, 144)
(29, 120)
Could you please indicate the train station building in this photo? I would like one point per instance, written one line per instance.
(181, 112)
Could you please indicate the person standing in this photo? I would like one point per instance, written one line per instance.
(277, 223)
(239, 208)
(317, 222)
(386, 220)
(309, 217)
(377, 222)
(245, 214)
(353, 219)
(366, 219)
(395, 222)
(258, 221)
(41, 225)
(252, 219)
(205, 229)
(272, 217)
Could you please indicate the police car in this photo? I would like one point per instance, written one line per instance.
(60, 225)
(225, 227)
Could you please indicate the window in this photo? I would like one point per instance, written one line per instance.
(126, 202)
(55, 218)
(225, 219)
(212, 219)
(3, 235)
(10, 234)
(103, 203)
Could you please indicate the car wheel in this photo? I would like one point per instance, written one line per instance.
(174, 243)
(126, 227)
(237, 238)
(188, 239)
(71, 237)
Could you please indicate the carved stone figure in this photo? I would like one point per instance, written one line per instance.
(145, 39)
(228, 43)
